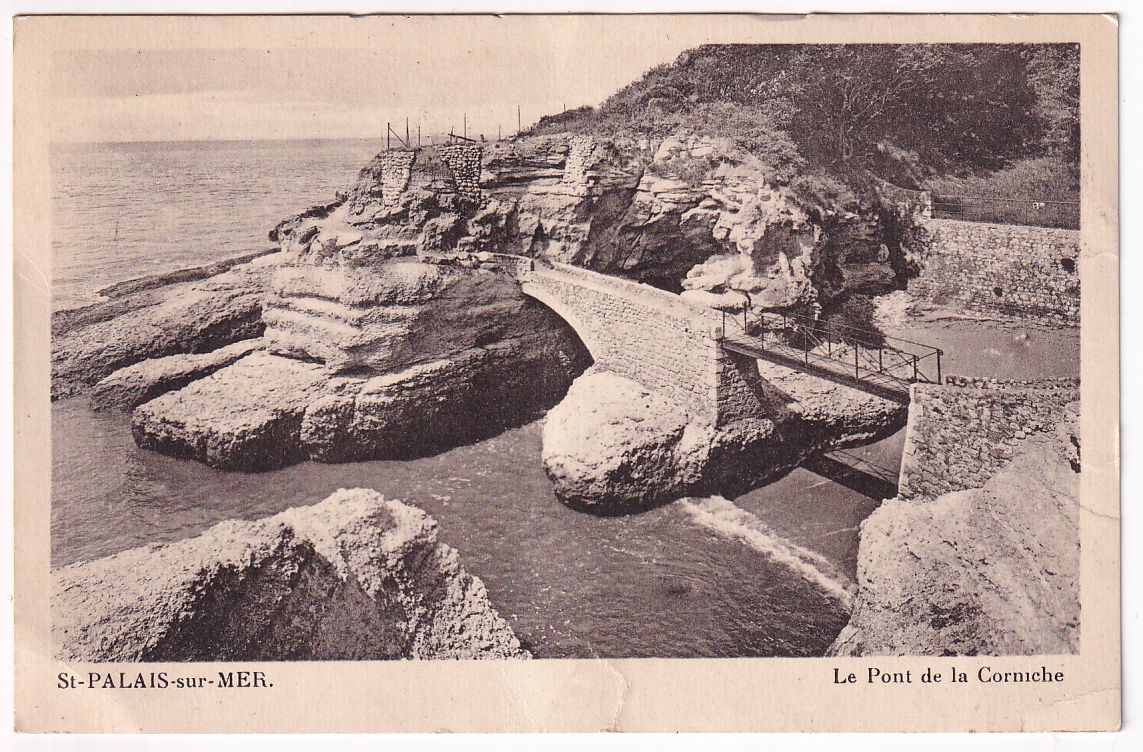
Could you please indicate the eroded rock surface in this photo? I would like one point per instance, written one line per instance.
(984, 571)
(152, 322)
(133, 385)
(613, 446)
(246, 416)
(355, 577)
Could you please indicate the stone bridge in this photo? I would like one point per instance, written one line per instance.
(703, 360)
(648, 335)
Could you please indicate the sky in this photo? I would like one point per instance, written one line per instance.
(141, 88)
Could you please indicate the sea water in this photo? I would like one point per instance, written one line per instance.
(768, 573)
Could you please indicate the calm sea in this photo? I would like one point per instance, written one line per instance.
(767, 576)
(122, 211)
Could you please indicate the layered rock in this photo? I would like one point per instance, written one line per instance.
(143, 321)
(373, 353)
(464, 364)
(130, 387)
(246, 416)
(355, 577)
(992, 570)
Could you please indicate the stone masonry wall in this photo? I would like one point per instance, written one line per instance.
(638, 333)
(960, 433)
(465, 162)
(396, 168)
(1012, 270)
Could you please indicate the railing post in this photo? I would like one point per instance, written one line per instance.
(880, 360)
(856, 368)
(914, 368)
(744, 327)
(939, 379)
(806, 343)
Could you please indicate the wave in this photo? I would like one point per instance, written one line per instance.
(724, 517)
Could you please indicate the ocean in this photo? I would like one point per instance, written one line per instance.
(127, 210)
(769, 573)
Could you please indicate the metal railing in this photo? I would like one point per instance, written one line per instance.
(1038, 213)
(873, 356)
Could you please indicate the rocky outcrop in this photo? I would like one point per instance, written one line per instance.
(130, 387)
(992, 570)
(246, 416)
(613, 446)
(690, 212)
(268, 411)
(355, 577)
(388, 334)
(434, 406)
(146, 322)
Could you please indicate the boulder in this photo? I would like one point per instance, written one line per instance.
(354, 577)
(612, 446)
(130, 387)
(984, 571)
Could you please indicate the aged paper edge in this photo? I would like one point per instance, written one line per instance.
(780, 694)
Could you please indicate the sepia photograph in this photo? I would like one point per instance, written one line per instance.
(465, 344)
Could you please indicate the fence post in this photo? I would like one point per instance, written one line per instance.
(856, 368)
(880, 360)
(806, 343)
(914, 368)
(744, 328)
(939, 379)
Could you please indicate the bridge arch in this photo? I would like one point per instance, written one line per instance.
(578, 325)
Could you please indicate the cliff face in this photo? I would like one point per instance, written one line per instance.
(388, 331)
(688, 212)
(355, 577)
(992, 570)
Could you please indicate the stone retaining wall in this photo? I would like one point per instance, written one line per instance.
(465, 162)
(1012, 270)
(960, 433)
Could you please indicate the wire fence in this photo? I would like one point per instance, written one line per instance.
(1039, 213)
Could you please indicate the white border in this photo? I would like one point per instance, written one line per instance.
(1131, 165)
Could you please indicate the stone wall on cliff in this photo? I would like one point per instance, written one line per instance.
(991, 570)
(355, 577)
(960, 433)
(1012, 270)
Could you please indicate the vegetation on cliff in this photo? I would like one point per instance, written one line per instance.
(904, 113)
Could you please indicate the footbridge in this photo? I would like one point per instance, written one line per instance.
(704, 359)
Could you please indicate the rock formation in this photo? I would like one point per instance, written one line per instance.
(135, 384)
(612, 446)
(992, 570)
(141, 321)
(355, 577)
(387, 331)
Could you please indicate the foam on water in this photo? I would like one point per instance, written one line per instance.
(723, 517)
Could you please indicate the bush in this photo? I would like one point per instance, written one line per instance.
(1021, 193)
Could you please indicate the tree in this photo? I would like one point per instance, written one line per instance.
(958, 107)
